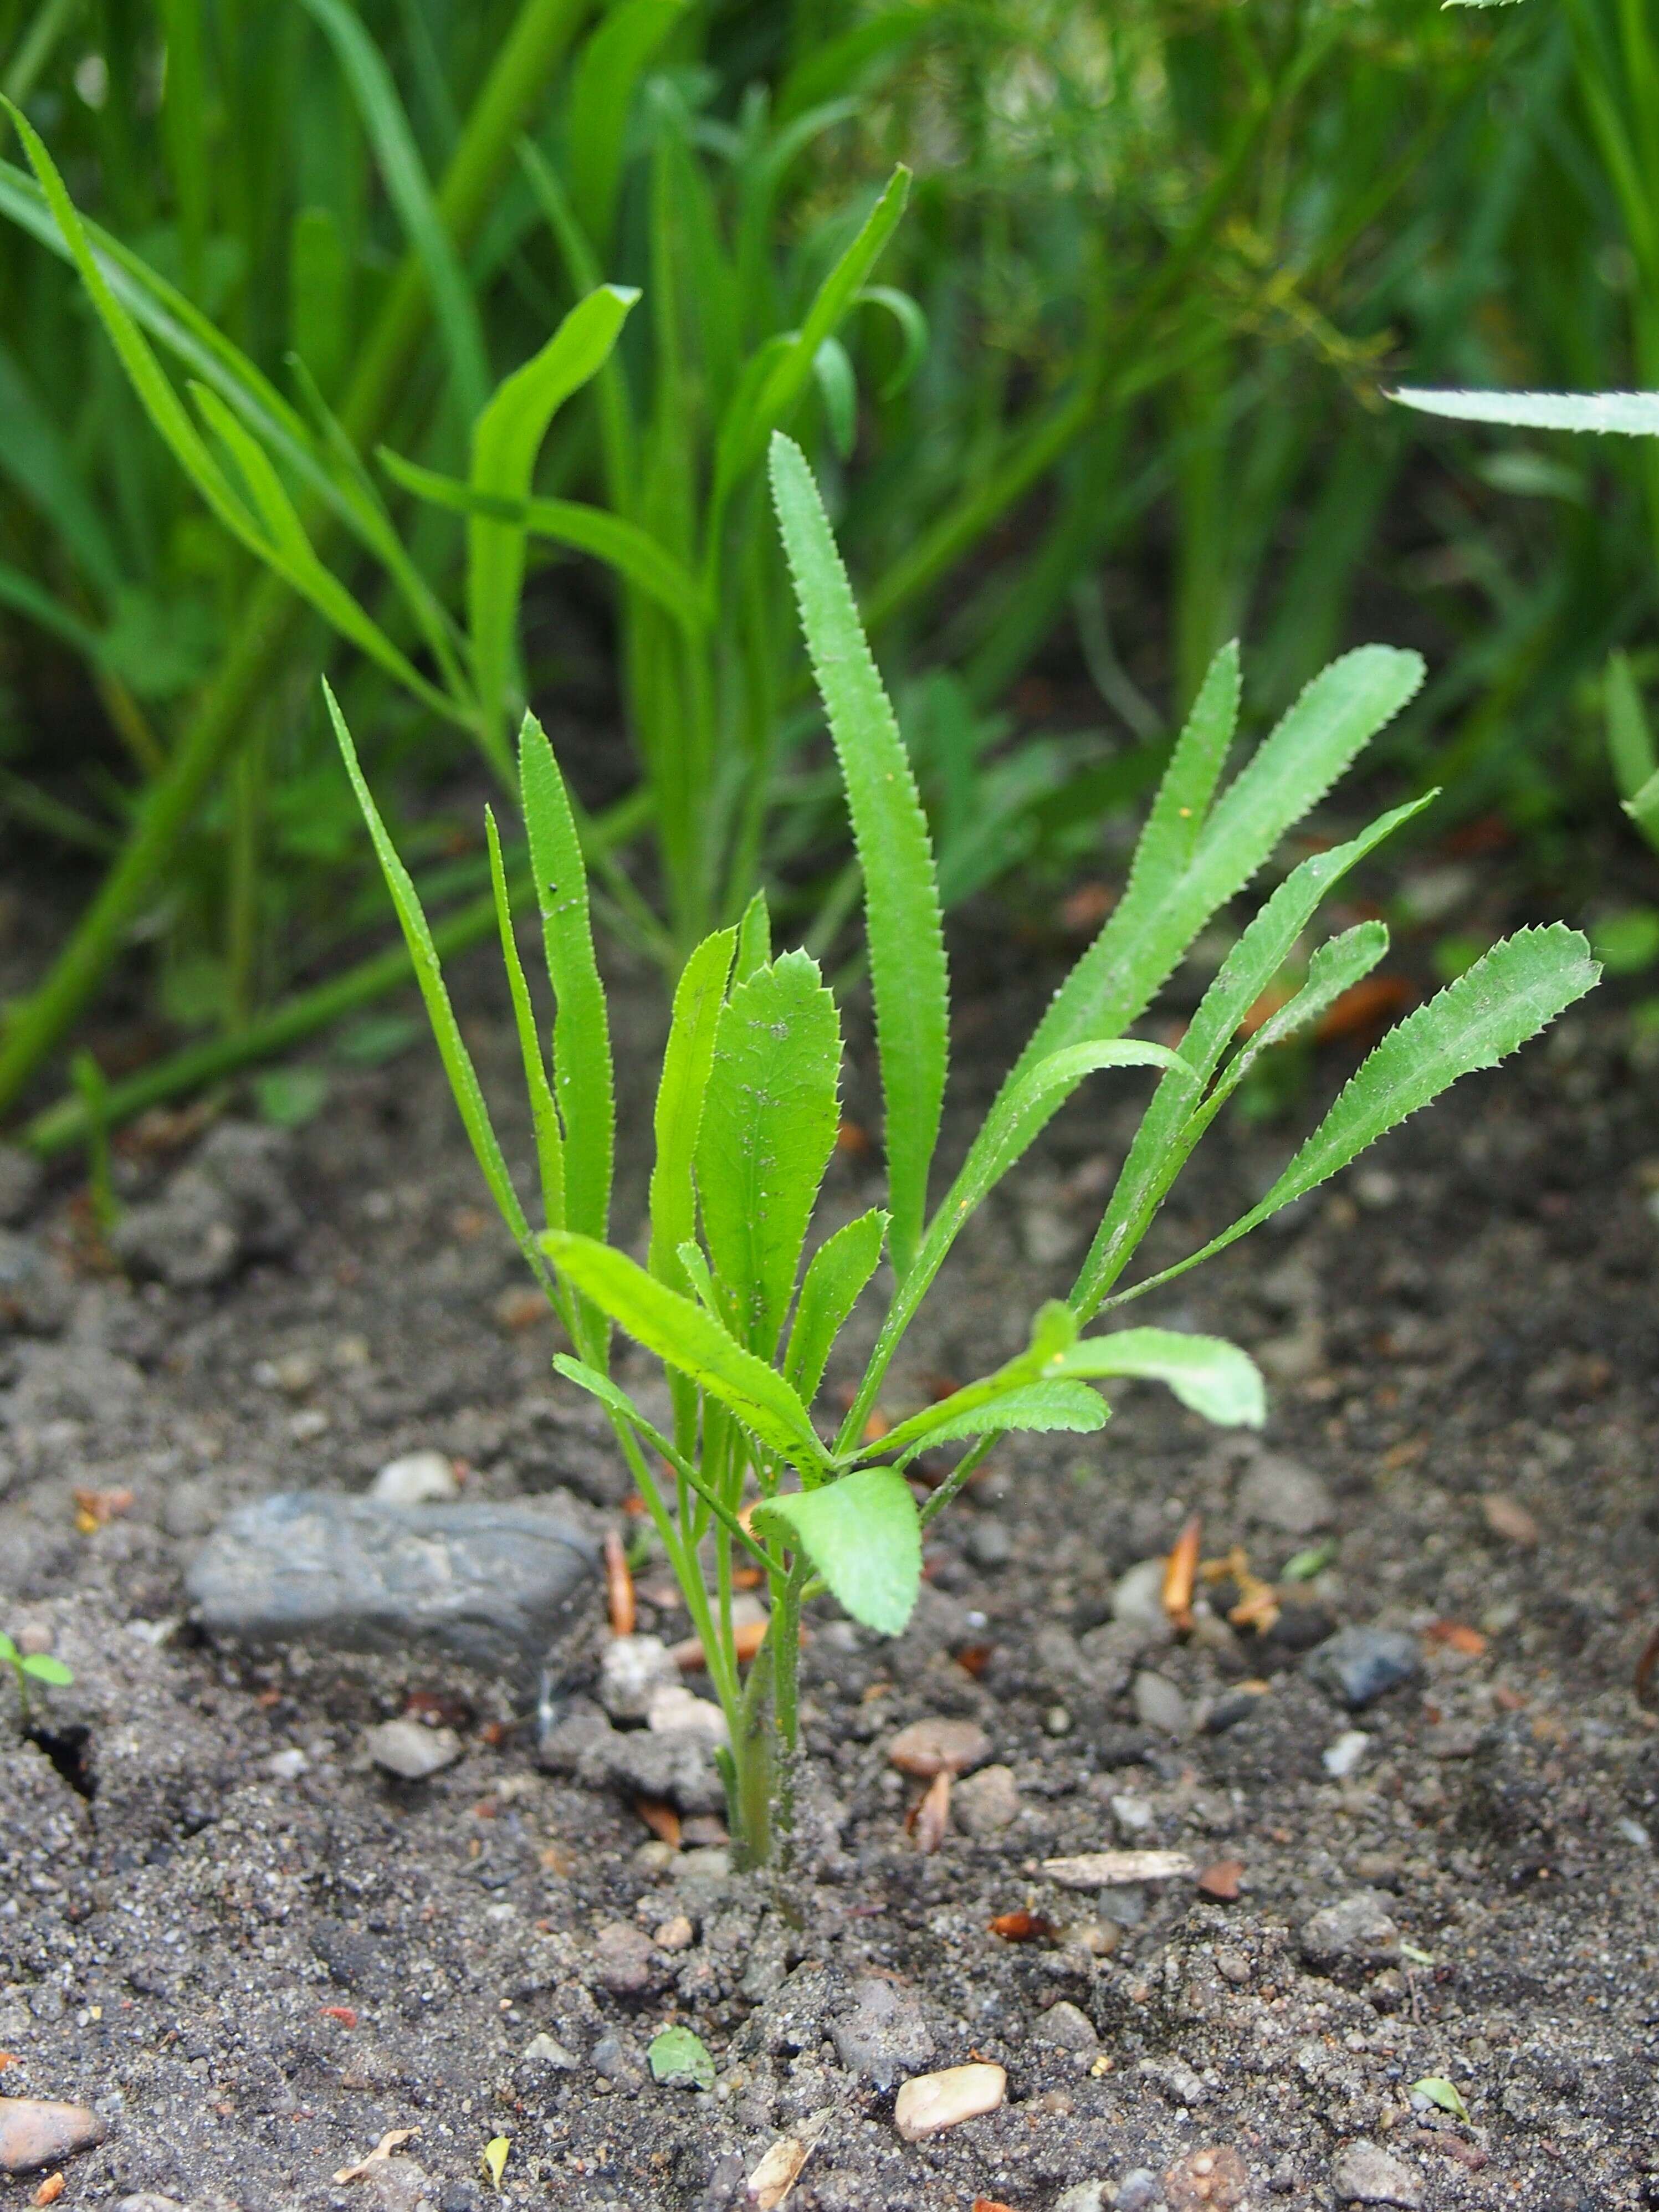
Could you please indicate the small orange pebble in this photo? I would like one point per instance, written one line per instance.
(1456, 1635)
(634, 1508)
(486, 1809)
(748, 1637)
(974, 1658)
(618, 1585)
(747, 1579)
(49, 2190)
(991, 2204)
(8, 2059)
(661, 1818)
(875, 1427)
(344, 2013)
(496, 1733)
(852, 1137)
(520, 1309)
(1180, 1571)
(1508, 1700)
(1023, 1927)
(92, 1508)
(1221, 1881)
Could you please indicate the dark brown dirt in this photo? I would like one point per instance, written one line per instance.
(256, 1970)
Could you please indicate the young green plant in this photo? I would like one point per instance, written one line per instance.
(31, 1670)
(745, 1124)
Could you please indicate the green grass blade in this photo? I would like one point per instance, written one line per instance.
(1630, 746)
(607, 70)
(624, 546)
(1170, 1128)
(445, 1030)
(688, 1059)
(1644, 811)
(770, 1113)
(906, 936)
(544, 1113)
(683, 1336)
(506, 437)
(863, 1536)
(754, 938)
(410, 191)
(1508, 996)
(1619, 414)
(1212, 1377)
(835, 1281)
(1147, 934)
(582, 1080)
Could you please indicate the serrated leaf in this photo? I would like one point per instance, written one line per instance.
(1206, 1373)
(544, 1113)
(1507, 997)
(754, 938)
(863, 1535)
(506, 439)
(836, 1279)
(676, 2056)
(1619, 414)
(769, 1128)
(688, 1058)
(1033, 1405)
(903, 923)
(582, 1081)
(1336, 966)
(445, 1030)
(684, 1337)
(1170, 1127)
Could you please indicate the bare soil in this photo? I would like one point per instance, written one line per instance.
(256, 1954)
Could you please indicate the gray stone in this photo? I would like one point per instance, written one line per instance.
(625, 1961)
(792, 2017)
(1159, 1704)
(548, 2051)
(420, 1478)
(489, 1585)
(632, 1668)
(1364, 2173)
(1086, 2197)
(1358, 1930)
(1067, 2026)
(1177, 2080)
(1137, 1602)
(412, 1751)
(22, 1184)
(986, 1803)
(1360, 1665)
(35, 1293)
(1139, 2191)
(676, 1764)
(882, 2034)
(1283, 1494)
(618, 2060)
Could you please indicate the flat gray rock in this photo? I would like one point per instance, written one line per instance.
(490, 1585)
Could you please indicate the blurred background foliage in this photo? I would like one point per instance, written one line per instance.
(1112, 393)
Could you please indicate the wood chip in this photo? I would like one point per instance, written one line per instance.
(49, 2190)
(932, 1815)
(1508, 1517)
(781, 2169)
(1180, 1572)
(380, 2155)
(1112, 1870)
(661, 1818)
(618, 1585)
(927, 2104)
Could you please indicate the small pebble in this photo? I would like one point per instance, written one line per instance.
(1134, 1815)
(1180, 2083)
(623, 1959)
(1283, 1494)
(1360, 1665)
(673, 1707)
(989, 1544)
(1358, 1930)
(1213, 2180)
(35, 2132)
(632, 1670)
(1340, 1759)
(1139, 2191)
(1364, 2173)
(1067, 2026)
(674, 1934)
(1057, 1721)
(927, 2104)
(986, 1803)
(421, 1477)
(548, 2051)
(410, 1750)
(1138, 1602)
(938, 1745)
(286, 1765)
(1159, 1704)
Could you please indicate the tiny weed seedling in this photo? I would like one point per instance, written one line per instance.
(30, 1670)
(746, 1117)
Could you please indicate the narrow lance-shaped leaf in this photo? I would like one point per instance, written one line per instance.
(683, 1336)
(452, 1049)
(769, 1128)
(1508, 996)
(1170, 1127)
(601, 95)
(1336, 966)
(862, 1534)
(904, 926)
(1033, 1407)
(582, 1081)
(1212, 1377)
(688, 1058)
(1621, 414)
(544, 1113)
(836, 1279)
(506, 439)
(754, 938)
